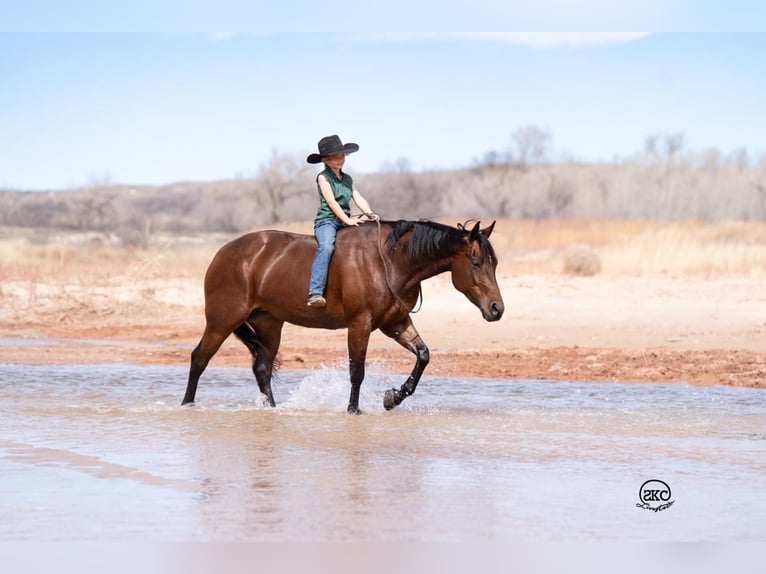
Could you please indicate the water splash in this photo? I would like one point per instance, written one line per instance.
(327, 390)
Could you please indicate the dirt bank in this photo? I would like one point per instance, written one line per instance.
(645, 329)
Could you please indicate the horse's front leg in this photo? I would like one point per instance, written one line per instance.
(358, 339)
(408, 337)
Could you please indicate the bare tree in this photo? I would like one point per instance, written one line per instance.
(759, 184)
(95, 211)
(280, 178)
(9, 207)
(400, 193)
(664, 147)
(740, 159)
(674, 143)
(675, 184)
(560, 197)
(653, 147)
(711, 158)
(492, 159)
(399, 165)
(531, 145)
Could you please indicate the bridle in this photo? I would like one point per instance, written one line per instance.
(371, 217)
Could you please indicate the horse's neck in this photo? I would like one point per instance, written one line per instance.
(411, 272)
(423, 270)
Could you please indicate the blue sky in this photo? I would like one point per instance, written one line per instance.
(155, 108)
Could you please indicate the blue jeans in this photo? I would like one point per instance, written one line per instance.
(325, 233)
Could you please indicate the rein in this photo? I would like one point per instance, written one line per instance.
(388, 279)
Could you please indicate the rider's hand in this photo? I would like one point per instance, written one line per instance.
(368, 217)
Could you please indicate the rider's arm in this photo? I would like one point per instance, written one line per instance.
(362, 204)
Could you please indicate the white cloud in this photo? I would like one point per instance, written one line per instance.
(556, 39)
(221, 36)
(224, 36)
(533, 39)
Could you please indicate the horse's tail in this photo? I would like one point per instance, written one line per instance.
(246, 334)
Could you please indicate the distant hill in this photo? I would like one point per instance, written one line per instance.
(283, 192)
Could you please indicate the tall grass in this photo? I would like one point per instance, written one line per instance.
(585, 247)
(734, 248)
(632, 247)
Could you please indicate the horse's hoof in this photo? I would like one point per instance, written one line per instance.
(389, 399)
(267, 401)
(354, 410)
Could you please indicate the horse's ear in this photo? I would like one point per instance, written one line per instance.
(474, 235)
(487, 231)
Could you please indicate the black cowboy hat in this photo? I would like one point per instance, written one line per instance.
(331, 145)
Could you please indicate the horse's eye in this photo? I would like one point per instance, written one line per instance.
(476, 262)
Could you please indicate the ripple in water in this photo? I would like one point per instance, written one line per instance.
(108, 451)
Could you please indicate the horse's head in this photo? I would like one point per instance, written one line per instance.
(473, 272)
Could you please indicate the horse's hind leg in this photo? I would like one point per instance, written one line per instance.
(407, 336)
(208, 346)
(262, 336)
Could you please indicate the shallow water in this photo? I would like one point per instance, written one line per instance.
(105, 452)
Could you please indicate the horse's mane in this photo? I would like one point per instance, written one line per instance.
(429, 239)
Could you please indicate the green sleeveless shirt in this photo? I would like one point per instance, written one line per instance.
(341, 188)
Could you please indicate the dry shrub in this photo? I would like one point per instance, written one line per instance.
(728, 248)
(581, 260)
(733, 232)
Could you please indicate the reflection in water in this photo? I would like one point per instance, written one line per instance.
(106, 452)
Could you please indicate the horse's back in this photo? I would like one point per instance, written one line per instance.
(270, 270)
(293, 248)
(250, 244)
(254, 254)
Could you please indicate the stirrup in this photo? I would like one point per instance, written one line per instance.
(316, 301)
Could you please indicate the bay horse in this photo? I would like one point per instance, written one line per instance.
(259, 281)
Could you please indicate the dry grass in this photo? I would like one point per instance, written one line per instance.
(633, 248)
(734, 248)
(77, 263)
(65, 276)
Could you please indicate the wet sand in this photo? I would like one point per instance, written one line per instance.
(106, 453)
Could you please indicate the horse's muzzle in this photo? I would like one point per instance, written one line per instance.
(494, 312)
